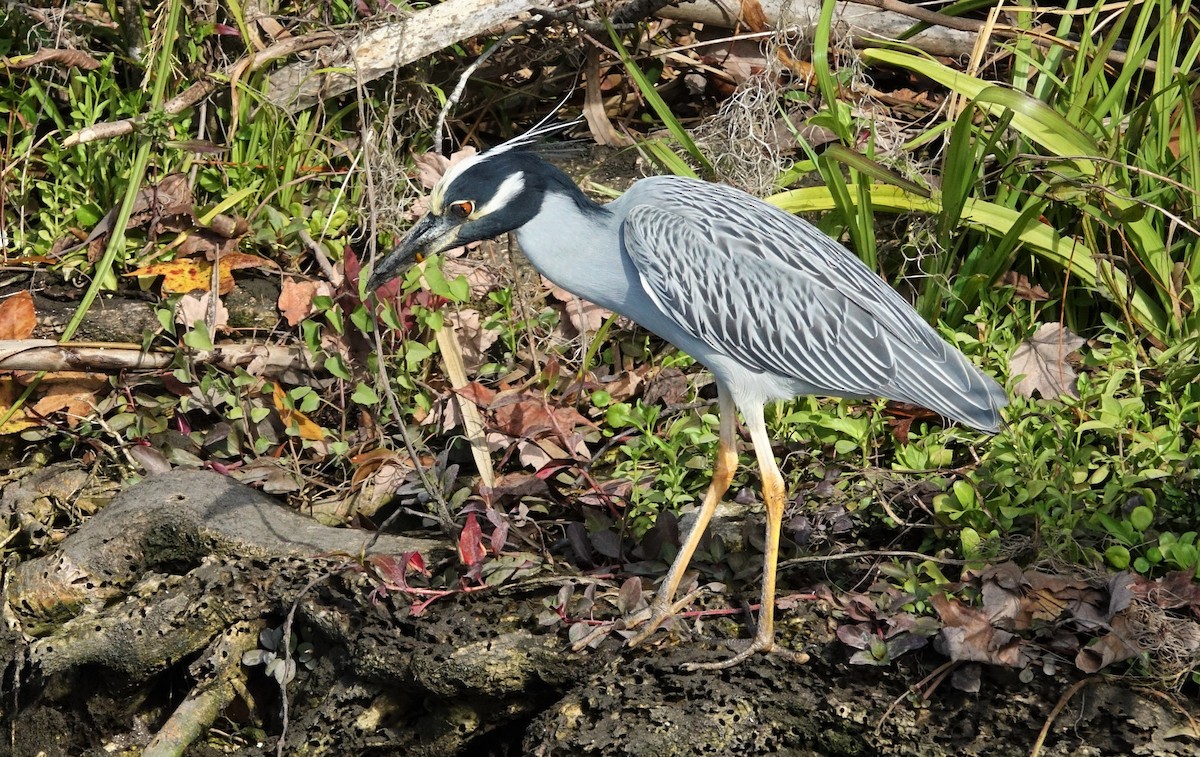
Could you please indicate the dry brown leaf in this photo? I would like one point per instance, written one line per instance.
(753, 16)
(1042, 362)
(168, 205)
(669, 386)
(305, 428)
(68, 58)
(583, 316)
(472, 337)
(1023, 289)
(593, 106)
(528, 416)
(73, 393)
(296, 296)
(967, 635)
(626, 385)
(1117, 645)
(192, 308)
(9, 391)
(432, 165)
(479, 277)
(17, 316)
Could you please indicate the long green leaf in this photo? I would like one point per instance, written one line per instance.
(660, 107)
(1031, 117)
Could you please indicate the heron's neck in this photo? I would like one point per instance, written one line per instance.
(575, 243)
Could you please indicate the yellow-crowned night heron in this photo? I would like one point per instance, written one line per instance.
(767, 302)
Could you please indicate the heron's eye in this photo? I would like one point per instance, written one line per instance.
(462, 209)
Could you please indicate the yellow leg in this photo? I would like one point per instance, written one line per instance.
(774, 497)
(724, 467)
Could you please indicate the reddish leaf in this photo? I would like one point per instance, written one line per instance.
(630, 595)
(394, 570)
(470, 543)
(499, 531)
(295, 299)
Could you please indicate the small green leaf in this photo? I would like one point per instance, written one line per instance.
(964, 493)
(198, 338)
(337, 366)
(460, 289)
(969, 538)
(1117, 556)
(365, 395)
(1141, 517)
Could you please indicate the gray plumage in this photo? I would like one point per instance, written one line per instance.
(778, 296)
(770, 304)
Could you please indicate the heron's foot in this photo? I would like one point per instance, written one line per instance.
(658, 613)
(758, 645)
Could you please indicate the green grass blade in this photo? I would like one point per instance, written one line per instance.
(660, 107)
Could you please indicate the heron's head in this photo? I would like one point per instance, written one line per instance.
(482, 197)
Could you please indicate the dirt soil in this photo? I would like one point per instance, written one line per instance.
(137, 626)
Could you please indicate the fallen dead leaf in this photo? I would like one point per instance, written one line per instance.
(968, 635)
(472, 337)
(185, 275)
(1022, 288)
(1117, 645)
(432, 166)
(191, 309)
(480, 278)
(583, 316)
(296, 296)
(1042, 362)
(17, 316)
(669, 386)
(75, 394)
(293, 418)
(46, 55)
(9, 391)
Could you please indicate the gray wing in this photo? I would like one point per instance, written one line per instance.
(779, 296)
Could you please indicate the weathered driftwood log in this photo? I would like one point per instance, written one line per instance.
(157, 574)
(381, 50)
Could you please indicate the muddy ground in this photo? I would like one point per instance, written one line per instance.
(135, 630)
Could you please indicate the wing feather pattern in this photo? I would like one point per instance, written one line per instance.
(779, 296)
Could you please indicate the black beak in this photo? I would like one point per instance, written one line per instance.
(428, 236)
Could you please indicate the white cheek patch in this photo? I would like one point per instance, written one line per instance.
(505, 193)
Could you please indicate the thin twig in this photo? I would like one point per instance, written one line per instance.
(203, 88)
(935, 677)
(871, 553)
(1062, 702)
(456, 95)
